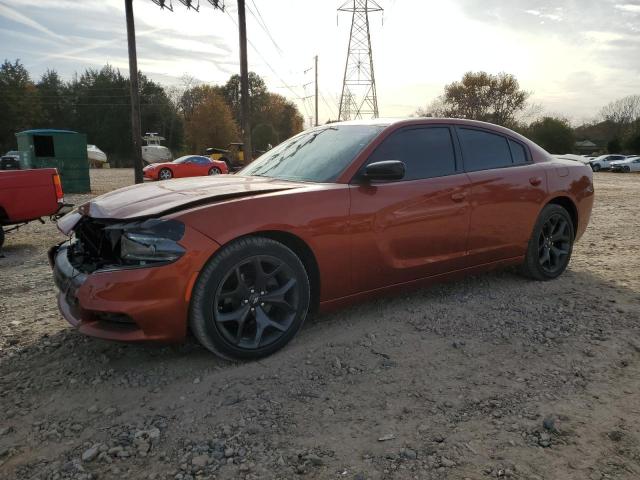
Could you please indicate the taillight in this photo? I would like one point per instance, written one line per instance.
(58, 185)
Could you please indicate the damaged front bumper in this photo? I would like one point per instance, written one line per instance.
(130, 305)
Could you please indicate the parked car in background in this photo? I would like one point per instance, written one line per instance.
(27, 195)
(97, 158)
(603, 162)
(336, 214)
(629, 165)
(187, 166)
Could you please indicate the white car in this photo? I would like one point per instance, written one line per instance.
(603, 162)
(629, 165)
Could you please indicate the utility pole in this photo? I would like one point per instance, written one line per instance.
(244, 84)
(359, 98)
(316, 90)
(135, 93)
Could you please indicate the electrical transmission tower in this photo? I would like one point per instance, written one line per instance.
(359, 98)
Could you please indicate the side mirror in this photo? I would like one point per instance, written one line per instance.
(385, 170)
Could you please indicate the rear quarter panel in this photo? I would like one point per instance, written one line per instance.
(318, 215)
(574, 181)
(27, 195)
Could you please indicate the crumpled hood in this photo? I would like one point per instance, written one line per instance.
(156, 198)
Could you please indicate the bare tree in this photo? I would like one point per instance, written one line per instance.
(622, 112)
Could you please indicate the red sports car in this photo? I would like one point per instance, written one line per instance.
(336, 214)
(187, 166)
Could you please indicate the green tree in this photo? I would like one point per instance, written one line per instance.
(159, 114)
(264, 135)
(57, 106)
(614, 146)
(19, 103)
(257, 97)
(481, 96)
(555, 135)
(632, 139)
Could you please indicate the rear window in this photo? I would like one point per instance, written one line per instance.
(483, 150)
(518, 152)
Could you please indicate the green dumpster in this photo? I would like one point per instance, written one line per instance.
(62, 149)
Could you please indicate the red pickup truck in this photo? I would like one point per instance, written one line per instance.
(27, 195)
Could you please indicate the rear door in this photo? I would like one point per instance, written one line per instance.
(416, 227)
(507, 189)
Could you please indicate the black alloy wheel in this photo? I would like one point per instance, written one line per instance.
(257, 301)
(551, 244)
(250, 299)
(554, 243)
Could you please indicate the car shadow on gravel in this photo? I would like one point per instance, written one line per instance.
(495, 305)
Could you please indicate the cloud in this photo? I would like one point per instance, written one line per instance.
(15, 16)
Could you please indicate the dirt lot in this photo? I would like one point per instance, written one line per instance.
(494, 376)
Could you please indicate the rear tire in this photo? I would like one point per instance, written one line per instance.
(214, 171)
(551, 244)
(1, 238)
(250, 299)
(165, 174)
(596, 167)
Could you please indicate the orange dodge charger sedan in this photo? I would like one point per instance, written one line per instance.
(336, 214)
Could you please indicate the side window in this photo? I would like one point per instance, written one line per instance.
(518, 153)
(483, 150)
(426, 152)
(201, 161)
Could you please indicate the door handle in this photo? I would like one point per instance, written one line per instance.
(535, 181)
(458, 197)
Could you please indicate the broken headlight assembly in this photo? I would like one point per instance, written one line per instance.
(150, 241)
(139, 247)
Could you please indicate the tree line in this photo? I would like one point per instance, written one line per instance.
(499, 99)
(97, 102)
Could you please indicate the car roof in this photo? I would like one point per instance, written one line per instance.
(385, 122)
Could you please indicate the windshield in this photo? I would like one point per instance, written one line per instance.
(317, 155)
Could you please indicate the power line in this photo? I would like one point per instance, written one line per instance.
(266, 62)
(263, 25)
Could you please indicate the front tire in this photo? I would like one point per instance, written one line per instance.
(550, 246)
(250, 299)
(626, 169)
(1, 238)
(165, 174)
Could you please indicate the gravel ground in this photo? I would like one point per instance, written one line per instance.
(494, 376)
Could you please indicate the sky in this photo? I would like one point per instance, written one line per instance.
(574, 56)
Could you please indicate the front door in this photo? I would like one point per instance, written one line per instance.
(416, 227)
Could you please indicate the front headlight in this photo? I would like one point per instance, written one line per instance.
(149, 241)
(148, 248)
